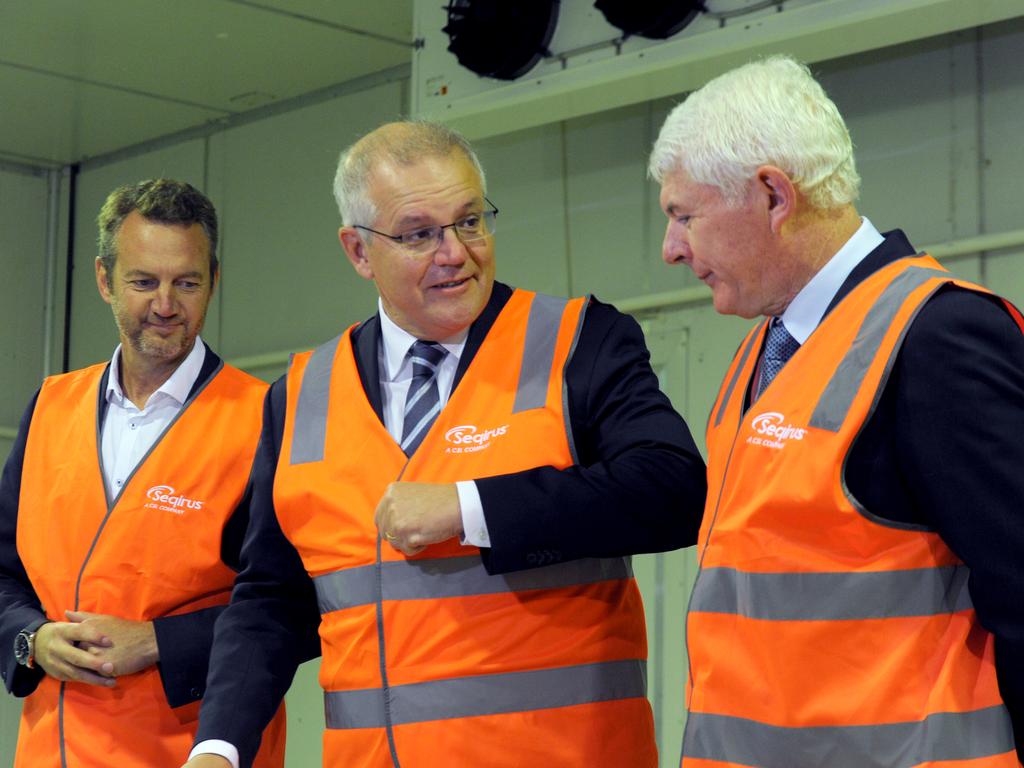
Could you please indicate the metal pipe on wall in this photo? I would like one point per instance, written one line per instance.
(683, 297)
(702, 295)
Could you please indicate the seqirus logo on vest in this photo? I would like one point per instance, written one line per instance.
(468, 438)
(165, 498)
(772, 431)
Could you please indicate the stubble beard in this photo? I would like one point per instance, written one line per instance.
(151, 346)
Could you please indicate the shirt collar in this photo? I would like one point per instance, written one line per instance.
(397, 341)
(177, 386)
(808, 307)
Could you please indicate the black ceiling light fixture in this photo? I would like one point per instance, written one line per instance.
(498, 38)
(656, 19)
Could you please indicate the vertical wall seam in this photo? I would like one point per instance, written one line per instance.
(69, 266)
(52, 259)
(981, 160)
(218, 343)
(954, 151)
(563, 129)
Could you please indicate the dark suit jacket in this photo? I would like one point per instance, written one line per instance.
(944, 450)
(639, 487)
(184, 641)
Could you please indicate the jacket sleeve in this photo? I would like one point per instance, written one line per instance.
(271, 623)
(640, 483)
(958, 390)
(19, 605)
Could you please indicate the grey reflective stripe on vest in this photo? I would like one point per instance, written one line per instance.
(736, 374)
(453, 577)
(565, 382)
(942, 736)
(838, 395)
(833, 596)
(310, 431)
(538, 351)
(488, 694)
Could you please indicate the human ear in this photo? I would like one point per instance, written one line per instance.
(355, 249)
(780, 193)
(101, 281)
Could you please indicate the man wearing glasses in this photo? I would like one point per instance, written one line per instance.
(467, 430)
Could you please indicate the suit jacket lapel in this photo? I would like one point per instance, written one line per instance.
(365, 345)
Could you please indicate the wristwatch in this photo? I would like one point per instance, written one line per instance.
(25, 646)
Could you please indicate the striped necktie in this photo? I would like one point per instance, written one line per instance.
(779, 346)
(423, 401)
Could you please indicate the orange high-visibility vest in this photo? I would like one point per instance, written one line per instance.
(153, 551)
(428, 661)
(818, 633)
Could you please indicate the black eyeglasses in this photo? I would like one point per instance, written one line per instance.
(422, 240)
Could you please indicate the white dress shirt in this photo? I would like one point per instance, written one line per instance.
(808, 307)
(395, 378)
(129, 432)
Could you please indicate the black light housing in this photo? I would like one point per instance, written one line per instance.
(498, 38)
(655, 19)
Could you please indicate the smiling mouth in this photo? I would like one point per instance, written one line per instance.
(451, 283)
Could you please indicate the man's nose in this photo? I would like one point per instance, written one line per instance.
(164, 301)
(451, 249)
(673, 248)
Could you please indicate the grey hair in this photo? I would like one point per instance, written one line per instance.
(402, 143)
(164, 201)
(770, 112)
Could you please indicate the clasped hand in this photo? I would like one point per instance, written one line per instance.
(95, 648)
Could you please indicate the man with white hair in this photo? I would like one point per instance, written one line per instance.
(859, 595)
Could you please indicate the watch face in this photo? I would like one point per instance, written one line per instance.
(22, 648)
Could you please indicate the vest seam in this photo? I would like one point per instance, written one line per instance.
(382, 649)
(60, 726)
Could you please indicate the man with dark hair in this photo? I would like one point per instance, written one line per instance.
(120, 519)
(466, 430)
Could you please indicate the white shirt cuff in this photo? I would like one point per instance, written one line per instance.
(474, 527)
(216, 747)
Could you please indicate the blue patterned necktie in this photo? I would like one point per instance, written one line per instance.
(422, 402)
(779, 346)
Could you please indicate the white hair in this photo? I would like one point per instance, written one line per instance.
(768, 112)
(402, 143)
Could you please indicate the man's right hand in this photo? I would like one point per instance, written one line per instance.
(207, 761)
(59, 656)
